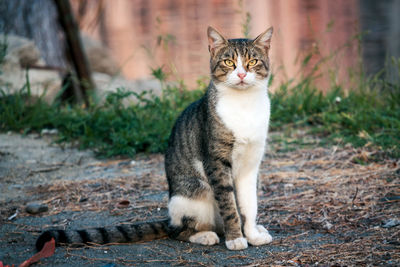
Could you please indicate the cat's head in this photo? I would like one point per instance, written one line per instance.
(239, 63)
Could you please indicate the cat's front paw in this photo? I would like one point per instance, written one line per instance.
(258, 236)
(236, 244)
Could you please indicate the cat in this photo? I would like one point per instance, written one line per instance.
(213, 157)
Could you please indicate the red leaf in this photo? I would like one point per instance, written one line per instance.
(47, 251)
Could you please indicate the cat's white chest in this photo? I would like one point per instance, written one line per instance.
(246, 113)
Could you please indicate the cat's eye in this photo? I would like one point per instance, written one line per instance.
(228, 62)
(252, 62)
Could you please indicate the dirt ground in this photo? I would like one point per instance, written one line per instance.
(324, 206)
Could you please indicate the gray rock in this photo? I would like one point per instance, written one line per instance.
(391, 223)
(100, 57)
(21, 50)
(36, 208)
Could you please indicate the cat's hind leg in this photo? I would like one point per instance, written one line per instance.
(207, 238)
(193, 220)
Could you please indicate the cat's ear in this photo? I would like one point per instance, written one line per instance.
(215, 39)
(264, 39)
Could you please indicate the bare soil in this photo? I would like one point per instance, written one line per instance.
(320, 204)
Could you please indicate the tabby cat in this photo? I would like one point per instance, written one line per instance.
(213, 156)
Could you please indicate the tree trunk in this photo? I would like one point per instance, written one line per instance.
(75, 47)
(36, 20)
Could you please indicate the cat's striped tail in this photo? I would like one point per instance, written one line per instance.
(123, 233)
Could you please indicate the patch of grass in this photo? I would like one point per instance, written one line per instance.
(110, 128)
(21, 112)
(113, 129)
(368, 115)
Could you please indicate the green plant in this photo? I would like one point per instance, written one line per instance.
(363, 116)
(110, 128)
(20, 111)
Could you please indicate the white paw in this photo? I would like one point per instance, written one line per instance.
(258, 236)
(206, 238)
(236, 244)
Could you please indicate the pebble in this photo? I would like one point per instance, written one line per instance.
(49, 132)
(391, 223)
(36, 208)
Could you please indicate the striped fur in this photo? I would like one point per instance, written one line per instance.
(123, 233)
(212, 160)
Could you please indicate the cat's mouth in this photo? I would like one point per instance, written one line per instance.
(242, 84)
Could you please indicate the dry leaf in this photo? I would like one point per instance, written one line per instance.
(47, 251)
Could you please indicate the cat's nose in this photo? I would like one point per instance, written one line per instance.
(242, 75)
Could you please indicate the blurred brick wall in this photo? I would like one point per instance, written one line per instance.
(131, 29)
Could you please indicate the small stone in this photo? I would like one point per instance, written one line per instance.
(53, 131)
(391, 223)
(36, 208)
(288, 189)
(328, 225)
(49, 132)
(44, 132)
